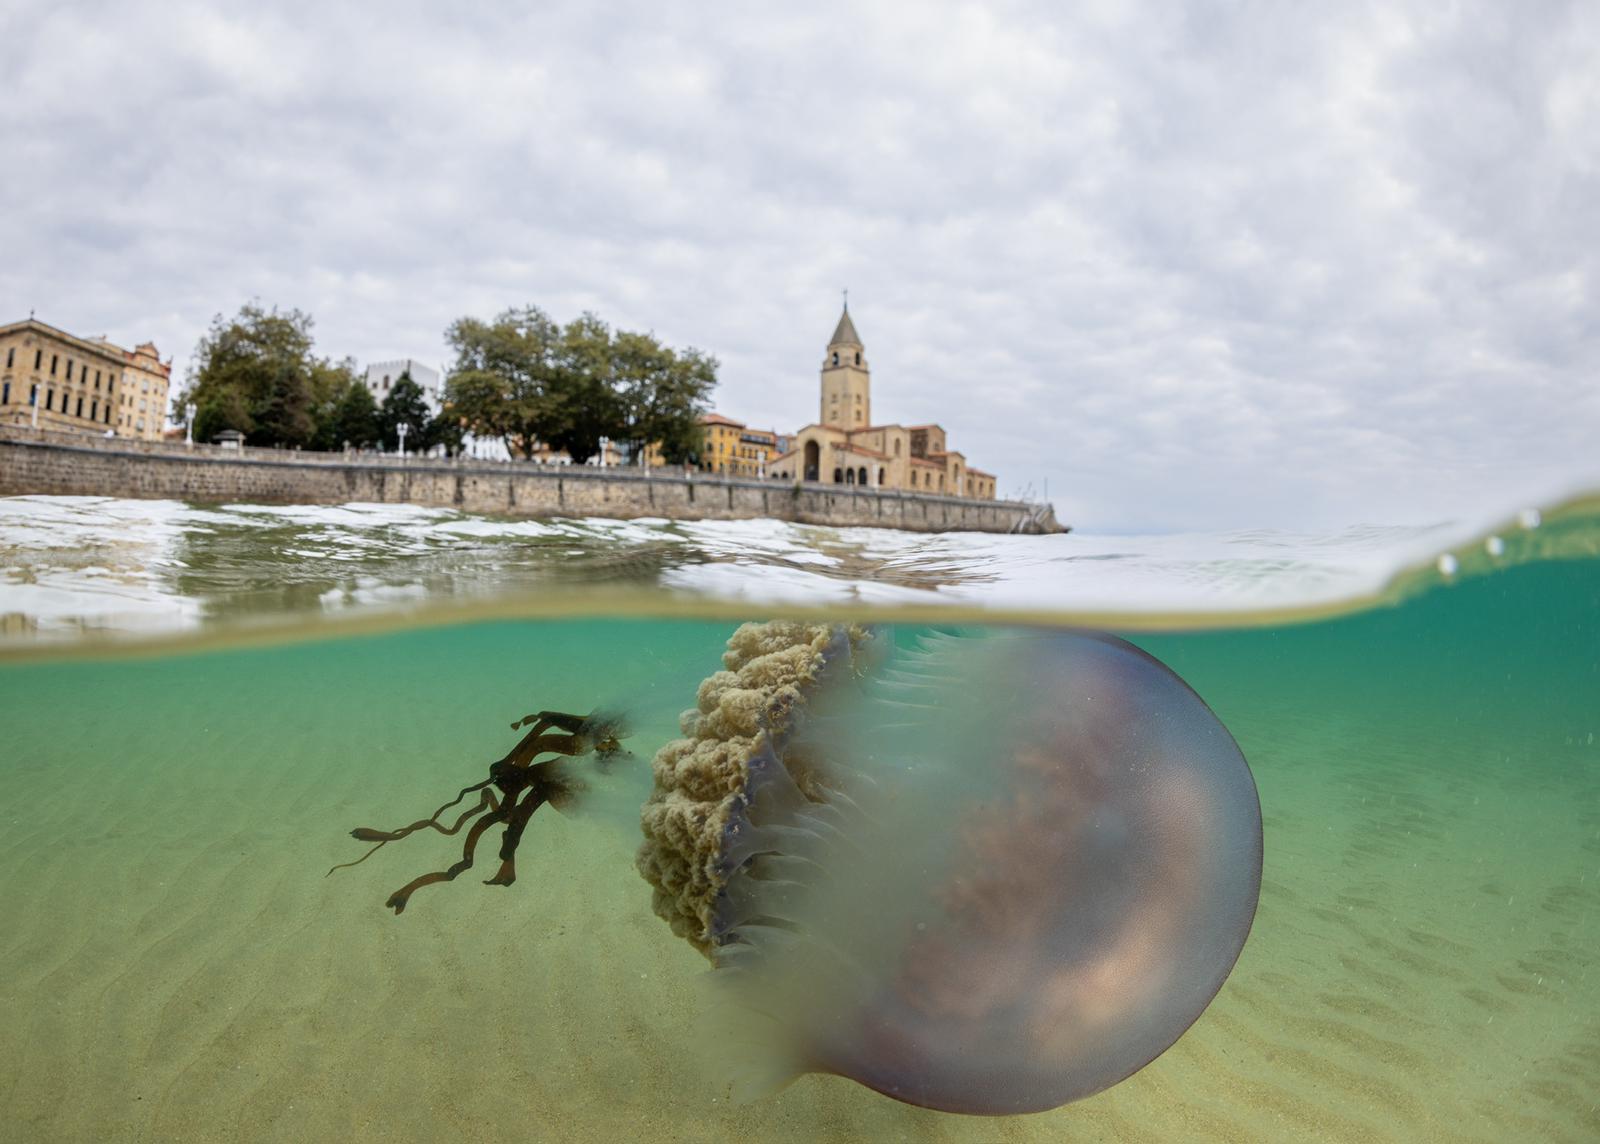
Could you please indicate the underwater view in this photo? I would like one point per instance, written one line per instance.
(1394, 733)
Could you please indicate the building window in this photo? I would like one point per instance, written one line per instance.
(69, 369)
(53, 359)
(79, 411)
(50, 399)
(881, 476)
(38, 356)
(6, 398)
(11, 356)
(108, 413)
(838, 477)
(858, 357)
(836, 358)
(94, 411)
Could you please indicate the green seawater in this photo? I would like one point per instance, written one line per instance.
(1424, 965)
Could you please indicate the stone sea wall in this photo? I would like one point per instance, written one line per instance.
(66, 464)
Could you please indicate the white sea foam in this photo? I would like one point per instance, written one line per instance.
(70, 565)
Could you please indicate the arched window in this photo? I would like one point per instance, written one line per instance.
(861, 475)
(881, 476)
(858, 357)
(838, 477)
(849, 476)
(836, 357)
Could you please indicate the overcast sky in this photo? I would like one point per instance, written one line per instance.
(1193, 265)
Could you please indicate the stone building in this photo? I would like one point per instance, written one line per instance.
(734, 448)
(60, 381)
(142, 392)
(844, 446)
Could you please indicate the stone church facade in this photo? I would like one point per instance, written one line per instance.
(845, 446)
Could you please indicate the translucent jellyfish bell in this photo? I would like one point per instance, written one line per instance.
(988, 874)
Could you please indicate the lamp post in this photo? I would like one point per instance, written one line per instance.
(188, 424)
(402, 429)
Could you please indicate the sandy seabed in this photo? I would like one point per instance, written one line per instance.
(178, 968)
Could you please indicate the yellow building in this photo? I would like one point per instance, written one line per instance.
(844, 447)
(57, 380)
(734, 449)
(142, 394)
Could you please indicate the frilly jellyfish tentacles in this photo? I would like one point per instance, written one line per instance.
(988, 874)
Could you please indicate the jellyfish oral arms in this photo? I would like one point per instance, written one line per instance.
(517, 786)
(986, 874)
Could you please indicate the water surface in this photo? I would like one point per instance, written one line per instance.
(1423, 966)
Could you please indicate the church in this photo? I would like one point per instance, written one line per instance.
(845, 447)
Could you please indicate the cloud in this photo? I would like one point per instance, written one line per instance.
(1190, 265)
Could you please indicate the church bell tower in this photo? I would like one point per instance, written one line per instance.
(846, 381)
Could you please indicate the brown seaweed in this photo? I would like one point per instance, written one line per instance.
(516, 787)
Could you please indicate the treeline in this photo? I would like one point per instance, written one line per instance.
(257, 373)
(520, 378)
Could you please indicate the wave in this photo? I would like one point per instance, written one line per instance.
(80, 572)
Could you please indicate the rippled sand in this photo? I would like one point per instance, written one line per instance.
(1423, 966)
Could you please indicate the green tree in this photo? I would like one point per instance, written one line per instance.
(585, 405)
(502, 383)
(353, 419)
(404, 405)
(526, 380)
(330, 384)
(255, 373)
(663, 394)
(445, 429)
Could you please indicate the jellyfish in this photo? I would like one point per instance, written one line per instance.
(987, 873)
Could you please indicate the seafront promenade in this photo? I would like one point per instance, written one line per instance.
(44, 462)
